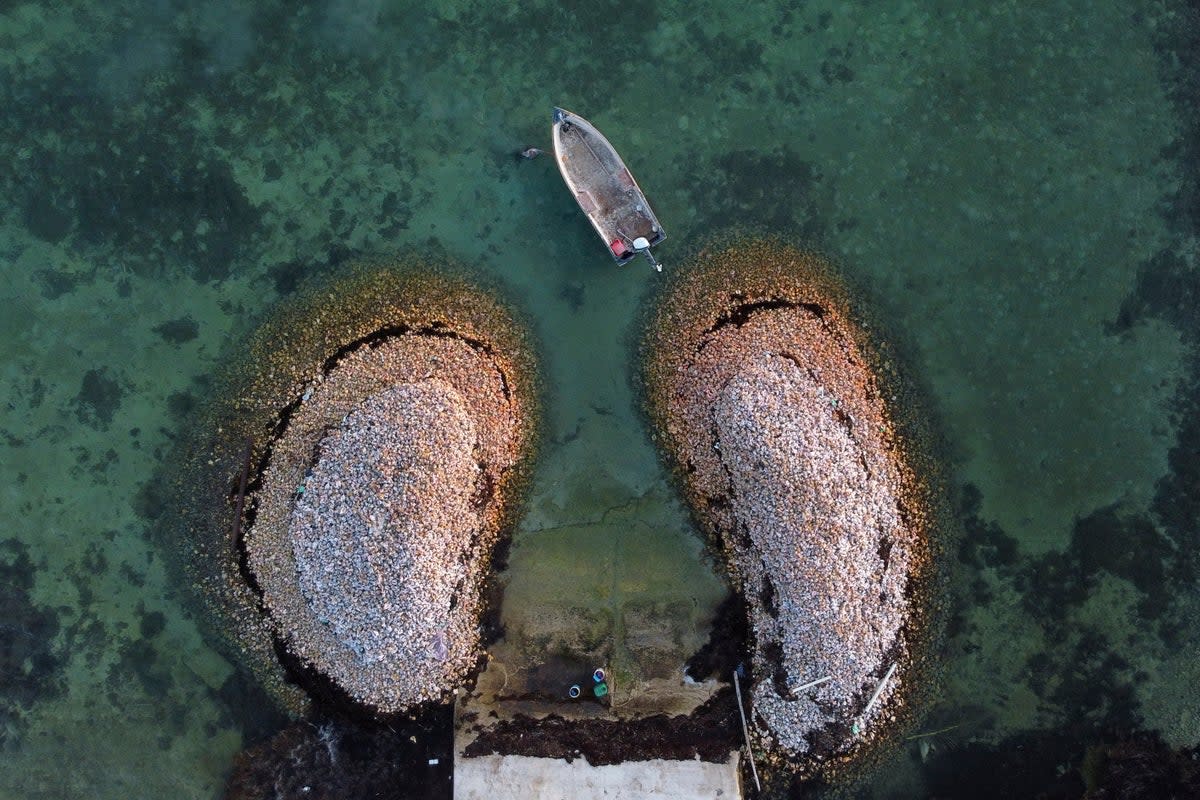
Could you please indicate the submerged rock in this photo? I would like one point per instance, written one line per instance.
(769, 400)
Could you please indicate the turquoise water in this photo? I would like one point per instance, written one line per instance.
(1009, 185)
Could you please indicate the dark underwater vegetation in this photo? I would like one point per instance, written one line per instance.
(1010, 187)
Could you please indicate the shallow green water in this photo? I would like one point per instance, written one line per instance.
(996, 177)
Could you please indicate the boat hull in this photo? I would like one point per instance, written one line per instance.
(603, 186)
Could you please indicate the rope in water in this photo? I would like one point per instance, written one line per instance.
(737, 686)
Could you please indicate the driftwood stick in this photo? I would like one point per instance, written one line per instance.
(811, 684)
(861, 722)
(737, 686)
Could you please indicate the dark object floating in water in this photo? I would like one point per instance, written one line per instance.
(605, 189)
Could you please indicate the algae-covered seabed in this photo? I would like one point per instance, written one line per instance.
(1006, 183)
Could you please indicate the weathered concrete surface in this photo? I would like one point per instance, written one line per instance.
(525, 778)
(607, 574)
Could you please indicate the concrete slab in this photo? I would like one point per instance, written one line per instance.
(603, 574)
(525, 778)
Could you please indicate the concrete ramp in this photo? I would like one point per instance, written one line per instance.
(526, 778)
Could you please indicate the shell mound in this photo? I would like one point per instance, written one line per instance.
(393, 417)
(769, 401)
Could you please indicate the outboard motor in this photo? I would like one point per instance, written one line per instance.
(642, 245)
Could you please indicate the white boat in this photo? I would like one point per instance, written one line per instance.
(605, 189)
